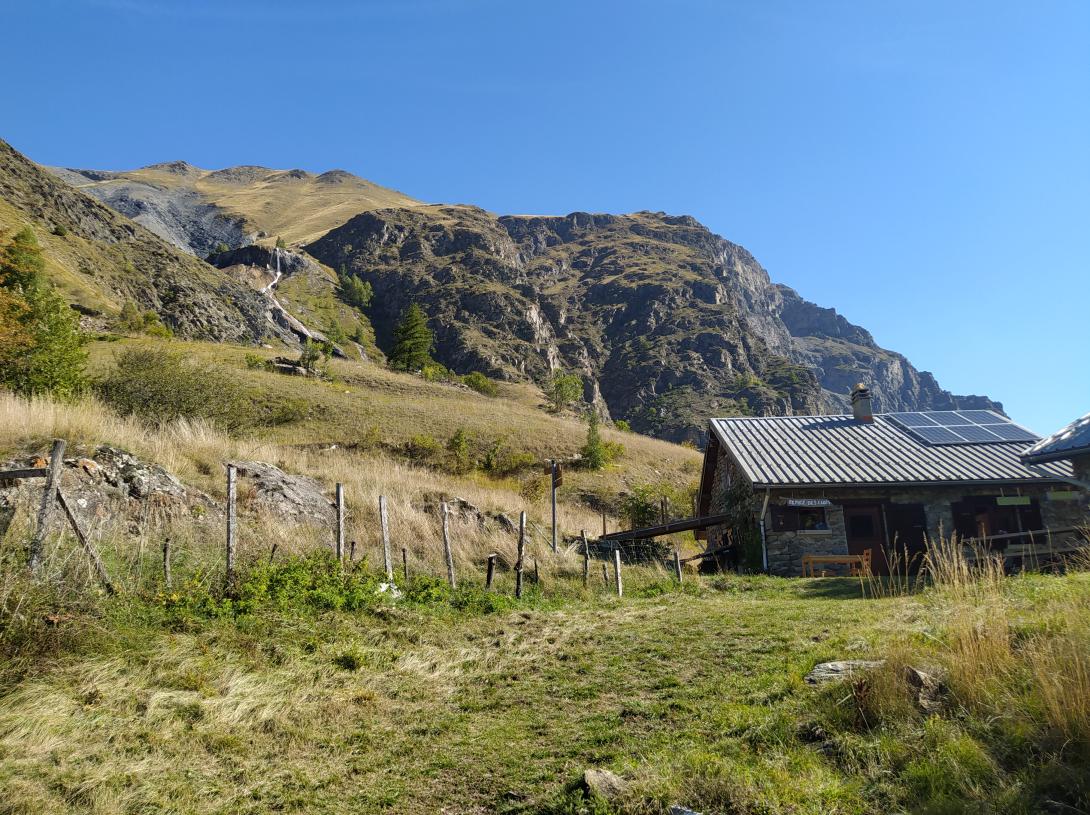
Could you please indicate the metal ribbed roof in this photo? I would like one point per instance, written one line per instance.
(782, 451)
(1071, 440)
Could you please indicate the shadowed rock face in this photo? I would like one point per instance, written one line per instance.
(668, 323)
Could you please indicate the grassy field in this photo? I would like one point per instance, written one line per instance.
(306, 689)
(462, 706)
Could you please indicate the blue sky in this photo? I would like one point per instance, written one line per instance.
(923, 167)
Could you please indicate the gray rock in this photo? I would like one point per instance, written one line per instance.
(930, 688)
(605, 784)
(843, 669)
(292, 497)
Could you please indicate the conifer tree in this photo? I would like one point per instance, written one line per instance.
(412, 341)
(39, 334)
(595, 455)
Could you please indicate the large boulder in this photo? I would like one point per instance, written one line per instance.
(291, 497)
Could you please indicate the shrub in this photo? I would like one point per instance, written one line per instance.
(532, 488)
(255, 362)
(434, 372)
(310, 355)
(458, 447)
(481, 383)
(501, 460)
(423, 449)
(623, 426)
(372, 438)
(563, 389)
(158, 387)
(60, 230)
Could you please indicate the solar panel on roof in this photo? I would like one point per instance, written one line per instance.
(974, 432)
(937, 435)
(981, 416)
(1012, 432)
(939, 427)
(913, 419)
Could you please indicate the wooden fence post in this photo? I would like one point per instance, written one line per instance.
(166, 563)
(617, 571)
(340, 523)
(537, 574)
(52, 480)
(103, 575)
(520, 552)
(605, 573)
(405, 563)
(677, 564)
(586, 557)
(386, 559)
(491, 572)
(231, 523)
(351, 551)
(446, 547)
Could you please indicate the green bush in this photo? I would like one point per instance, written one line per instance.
(458, 447)
(563, 389)
(623, 426)
(533, 487)
(60, 230)
(159, 386)
(423, 449)
(501, 460)
(481, 383)
(434, 372)
(255, 362)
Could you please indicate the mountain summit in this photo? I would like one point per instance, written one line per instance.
(666, 322)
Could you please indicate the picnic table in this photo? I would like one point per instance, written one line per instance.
(857, 564)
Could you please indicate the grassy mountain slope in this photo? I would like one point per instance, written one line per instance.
(195, 208)
(103, 259)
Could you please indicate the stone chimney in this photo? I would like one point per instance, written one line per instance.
(861, 407)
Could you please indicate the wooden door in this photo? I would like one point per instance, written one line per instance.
(863, 524)
(906, 528)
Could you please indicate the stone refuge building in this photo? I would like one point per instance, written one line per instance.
(837, 485)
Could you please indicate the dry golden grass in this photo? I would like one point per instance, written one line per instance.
(196, 453)
(297, 207)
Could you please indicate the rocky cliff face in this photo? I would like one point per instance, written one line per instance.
(668, 323)
(104, 259)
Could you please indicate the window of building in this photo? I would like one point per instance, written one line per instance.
(799, 519)
(981, 516)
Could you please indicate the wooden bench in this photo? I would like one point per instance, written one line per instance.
(858, 565)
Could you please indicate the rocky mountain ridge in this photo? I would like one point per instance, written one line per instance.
(667, 322)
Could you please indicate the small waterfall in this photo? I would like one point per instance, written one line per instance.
(267, 289)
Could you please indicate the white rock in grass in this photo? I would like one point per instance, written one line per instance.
(840, 670)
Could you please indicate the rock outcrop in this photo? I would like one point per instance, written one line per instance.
(106, 259)
(667, 323)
